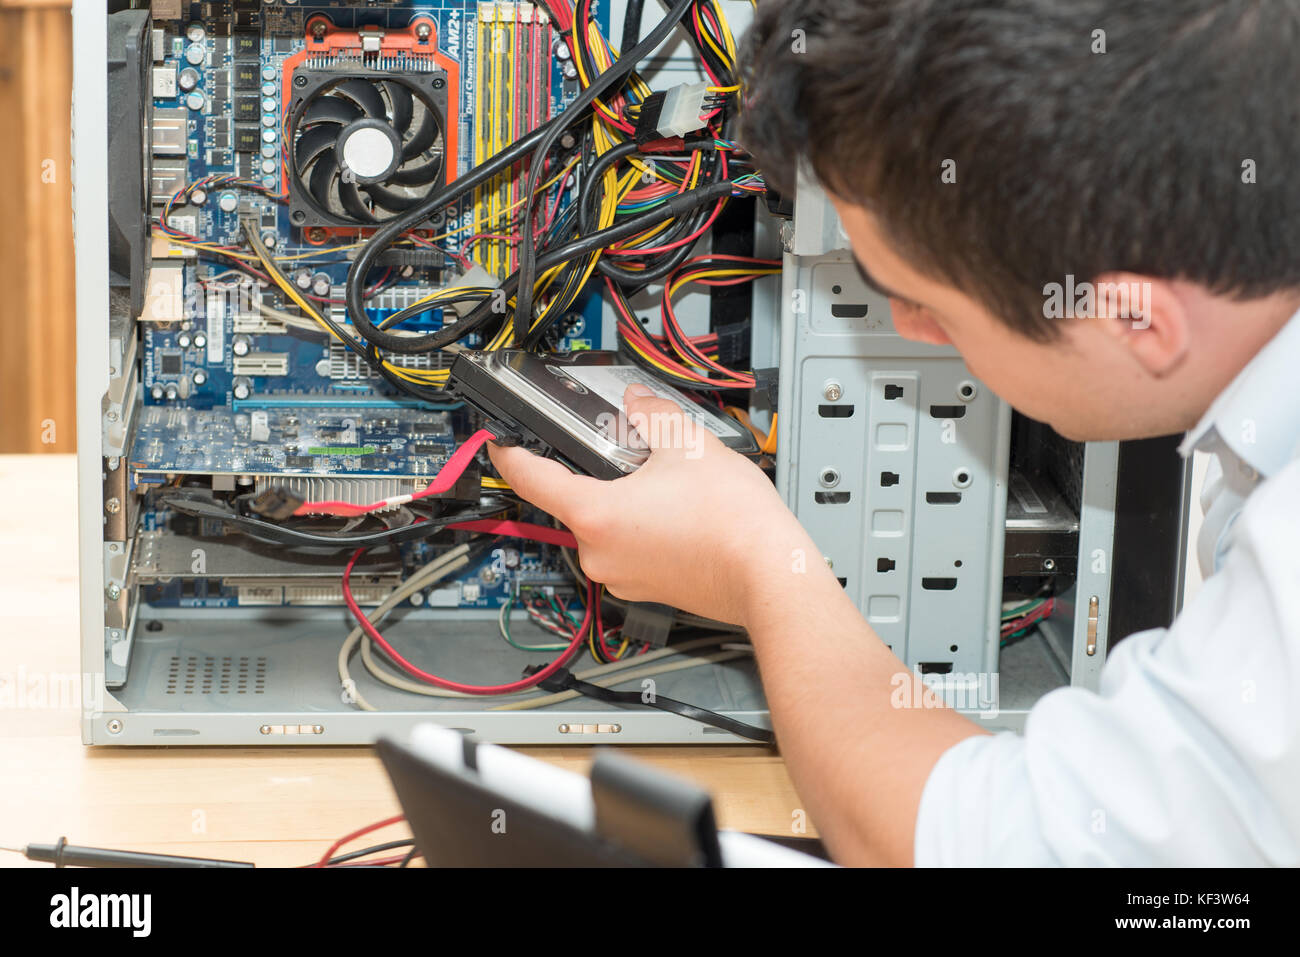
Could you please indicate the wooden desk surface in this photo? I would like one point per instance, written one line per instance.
(274, 806)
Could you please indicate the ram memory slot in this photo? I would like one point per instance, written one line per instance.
(503, 127)
(513, 98)
(482, 145)
(541, 70)
(493, 127)
(523, 84)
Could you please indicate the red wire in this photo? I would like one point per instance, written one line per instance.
(700, 35)
(446, 478)
(377, 862)
(521, 685)
(356, 834)
(561, 13)
(669, 247)
(559, 195)
(633, 330)
(600, 630)
(510, 529)
(670, 321)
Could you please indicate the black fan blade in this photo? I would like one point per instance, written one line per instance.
(387, 199)
(423, 138)
(418, 175)
(331, 109)
(350, 197)
(322, 178)
(367, 95)
(311, 144)
(403, 106)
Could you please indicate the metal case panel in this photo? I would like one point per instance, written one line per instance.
(894, 457)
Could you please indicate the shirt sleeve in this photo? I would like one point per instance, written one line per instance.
(1188, 755)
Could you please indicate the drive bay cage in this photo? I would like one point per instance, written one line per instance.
(232, 160)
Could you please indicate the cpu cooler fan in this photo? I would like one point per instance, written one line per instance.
(365, 145)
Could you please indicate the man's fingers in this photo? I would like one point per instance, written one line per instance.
(544, 482)
(662, 423)
(659, 421)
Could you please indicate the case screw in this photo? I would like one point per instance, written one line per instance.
(114, 726)
(114, 591)
(113, 506)
(563, 729)
(833, 392)
(265, 729)
(830, 478)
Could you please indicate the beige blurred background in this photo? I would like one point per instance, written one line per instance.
(37, 361)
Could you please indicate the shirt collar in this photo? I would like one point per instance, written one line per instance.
(1258, 415)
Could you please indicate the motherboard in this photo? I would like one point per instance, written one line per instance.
(311, 125)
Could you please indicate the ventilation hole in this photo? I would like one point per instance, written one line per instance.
(885, 564)
(888, 478)
(844, 582)
(835, 411)
(943, 498)
(939, 584)
(957, 563)
(947, 411)
(837, 289)
(893, 392)
(208, 675)
(952, 648)
(855, 310)
(935, 667)
(831, 498)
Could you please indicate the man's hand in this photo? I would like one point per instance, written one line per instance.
(687, 529)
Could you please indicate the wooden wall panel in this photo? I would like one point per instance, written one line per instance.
(37, 360)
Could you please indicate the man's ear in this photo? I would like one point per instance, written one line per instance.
(1146, 316)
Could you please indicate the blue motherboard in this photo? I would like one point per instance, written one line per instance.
(236, 386)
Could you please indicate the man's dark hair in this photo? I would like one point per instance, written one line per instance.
(1068, 160)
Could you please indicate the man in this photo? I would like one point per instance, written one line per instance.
(977, 152)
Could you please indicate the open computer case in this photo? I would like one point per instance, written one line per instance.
(938, 507)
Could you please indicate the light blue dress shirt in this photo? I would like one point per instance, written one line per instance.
(1190, 752)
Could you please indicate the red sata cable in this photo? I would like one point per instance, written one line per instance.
(446, 478)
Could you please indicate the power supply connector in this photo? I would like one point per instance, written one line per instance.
(476, 277)
(674, 112)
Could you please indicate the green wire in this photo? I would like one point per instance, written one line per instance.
(562, 613)
(505, 632)
(1023, 609)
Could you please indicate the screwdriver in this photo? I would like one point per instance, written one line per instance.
(64, 854)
